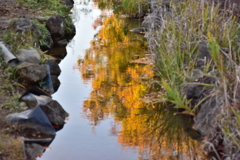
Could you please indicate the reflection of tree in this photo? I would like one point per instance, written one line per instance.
(117, 88)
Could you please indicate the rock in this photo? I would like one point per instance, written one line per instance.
(28, 55)
(70, 33)
(69, 3)
(47, 82)
(32, 150)
(195, 75)
(56, 25)
(32, 121)
(54, 67)
(52, 109)
(33, 100)
(30, 72)
(202, 55)
(55, 113)
(196, 92)
(62, 43)
(186, 122)
(206, 116)
(56, 83)
(140, 30)
(58, 51)
(24, 25)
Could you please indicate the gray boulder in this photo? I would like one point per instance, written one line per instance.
(55, 113)
(56, 83)
(54, 67)
(58, 51)
(28, 55)
(32, 121)
(32, 150)
(56, 25)
(69, 3)
(52, 109)
(33, 100)
(30, 72)
(24, 25)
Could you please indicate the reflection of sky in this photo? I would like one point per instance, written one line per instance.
(76, 140)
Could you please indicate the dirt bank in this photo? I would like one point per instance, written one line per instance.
(10, 88)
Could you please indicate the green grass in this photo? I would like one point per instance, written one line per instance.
(175, 43)
(47, 8)
(25, 40)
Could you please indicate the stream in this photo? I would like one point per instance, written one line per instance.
(77, 140)
(101, 91)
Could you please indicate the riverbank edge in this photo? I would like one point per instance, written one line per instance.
(11, 142)
(200, 77)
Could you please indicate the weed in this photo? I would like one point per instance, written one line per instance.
(10, 147)
(174, 35)
(47, 8)
(27, 39)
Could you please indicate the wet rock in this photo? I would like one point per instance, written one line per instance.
(24, 25)
(186, 122)
(69, 3)
(52, 109)
(33, 150)
(47, 85)
(28, 55)
(56, 25)
(37, 91)
(33, 100)
(32, 121)
(30, 72)
(62, 43)
(55, 113)
(54, 67)
(56, 83)
(58, 51)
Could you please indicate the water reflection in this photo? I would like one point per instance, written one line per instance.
(118, 86)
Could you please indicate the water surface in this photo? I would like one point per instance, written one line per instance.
(104, 93)
(78, 140)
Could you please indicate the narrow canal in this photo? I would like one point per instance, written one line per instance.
(102, 91)
(78, 139)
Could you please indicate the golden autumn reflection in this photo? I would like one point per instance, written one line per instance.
(118, 86)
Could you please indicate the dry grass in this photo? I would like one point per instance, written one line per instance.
(175, 32)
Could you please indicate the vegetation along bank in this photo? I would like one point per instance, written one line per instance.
(30, 32)
(195, 50)
(195, 45)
